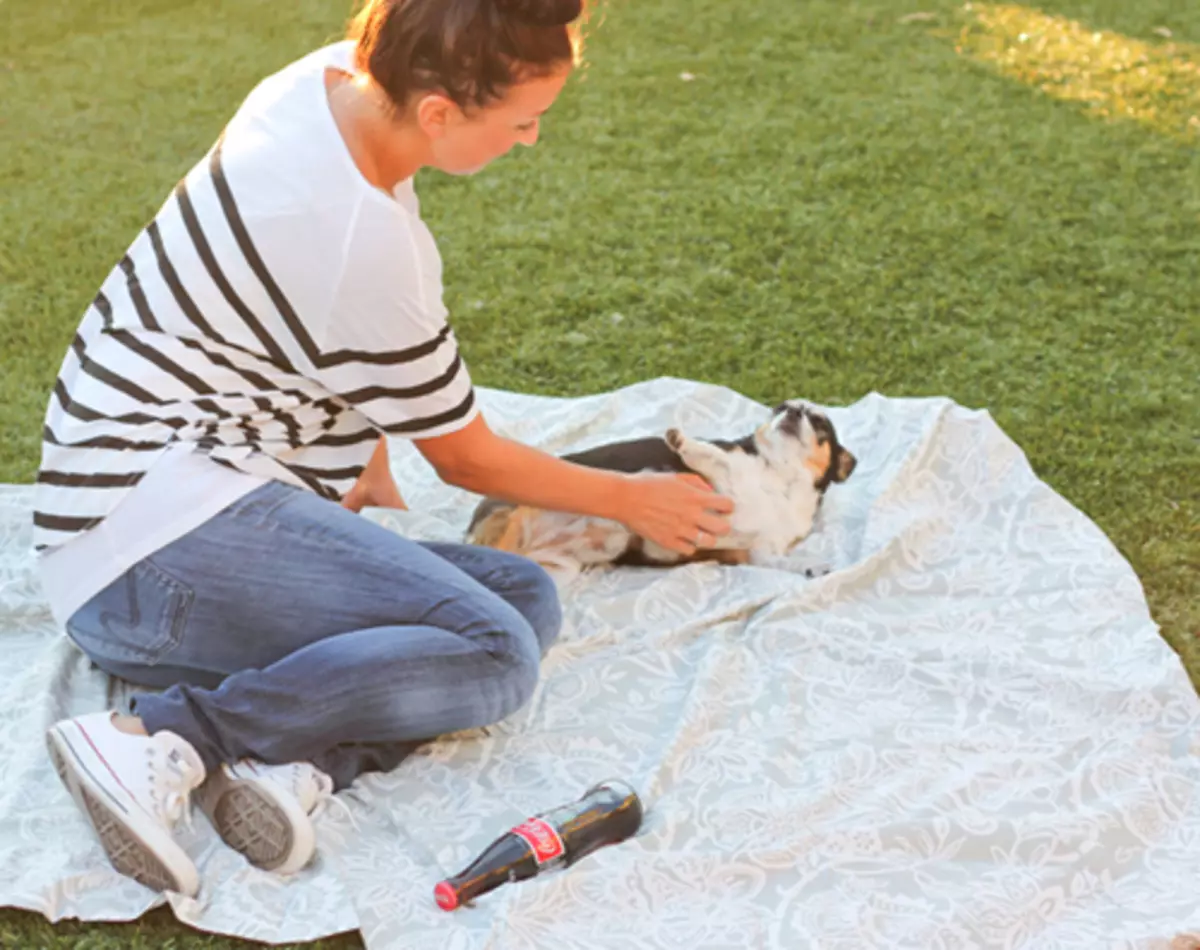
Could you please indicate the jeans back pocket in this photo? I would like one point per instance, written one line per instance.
(139, 617)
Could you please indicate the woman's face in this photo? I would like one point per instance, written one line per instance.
(462, 144)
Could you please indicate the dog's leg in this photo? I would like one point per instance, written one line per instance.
(505, 529)
(772, 557)
(729, 556)
(765, 554)
(703, 458)
(515, 536)
(562, 568)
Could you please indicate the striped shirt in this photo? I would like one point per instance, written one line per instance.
(276, 316)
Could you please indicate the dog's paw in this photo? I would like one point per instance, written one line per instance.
(674, 439)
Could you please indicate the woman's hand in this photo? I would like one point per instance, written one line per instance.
(679, 512)
(379, 494)
(375, 487)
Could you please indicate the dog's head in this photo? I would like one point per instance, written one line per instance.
(798, 435)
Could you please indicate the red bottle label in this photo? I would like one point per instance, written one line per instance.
(542, 838)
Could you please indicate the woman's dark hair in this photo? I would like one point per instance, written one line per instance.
(469, 50)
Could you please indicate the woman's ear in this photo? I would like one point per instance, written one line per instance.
(434, 114)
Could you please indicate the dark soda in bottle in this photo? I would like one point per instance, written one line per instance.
(606, 814)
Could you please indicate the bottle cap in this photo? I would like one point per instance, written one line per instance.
(446, 896)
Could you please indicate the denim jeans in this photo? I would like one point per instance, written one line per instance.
(287, 628)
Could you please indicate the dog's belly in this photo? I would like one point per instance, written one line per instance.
(769, 515)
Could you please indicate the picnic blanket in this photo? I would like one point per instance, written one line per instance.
(968, 734)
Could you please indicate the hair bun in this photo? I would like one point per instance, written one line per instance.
(541, 12)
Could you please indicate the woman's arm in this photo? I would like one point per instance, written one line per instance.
(679, 512)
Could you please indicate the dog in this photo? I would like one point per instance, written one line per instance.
(776, 476)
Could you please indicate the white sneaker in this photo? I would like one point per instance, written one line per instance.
(263, 811)
(135, 790)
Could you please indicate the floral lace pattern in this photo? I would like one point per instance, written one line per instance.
(967, 734)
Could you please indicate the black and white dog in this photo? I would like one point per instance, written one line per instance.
(776, 476)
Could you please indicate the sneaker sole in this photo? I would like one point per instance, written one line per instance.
(127, 847)
(270, 834)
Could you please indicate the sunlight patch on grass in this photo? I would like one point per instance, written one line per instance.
(1156, 84)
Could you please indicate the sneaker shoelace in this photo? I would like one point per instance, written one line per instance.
(324, 804)
(320, 788)
(171, 780)
(311, 787)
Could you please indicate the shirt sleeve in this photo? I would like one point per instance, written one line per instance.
(387, 348)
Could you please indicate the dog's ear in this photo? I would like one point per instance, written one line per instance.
(844, 465)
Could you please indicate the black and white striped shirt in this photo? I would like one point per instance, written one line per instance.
(278, 314)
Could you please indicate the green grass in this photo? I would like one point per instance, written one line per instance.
(838, 203)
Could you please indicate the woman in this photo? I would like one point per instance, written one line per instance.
(233, 382)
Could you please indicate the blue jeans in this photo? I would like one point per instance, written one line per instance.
(287, 628)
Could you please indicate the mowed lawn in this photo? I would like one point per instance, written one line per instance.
(814, 199)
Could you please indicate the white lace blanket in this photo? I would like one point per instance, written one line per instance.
(968, 735)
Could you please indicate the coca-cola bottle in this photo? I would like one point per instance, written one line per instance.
(606, 814)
